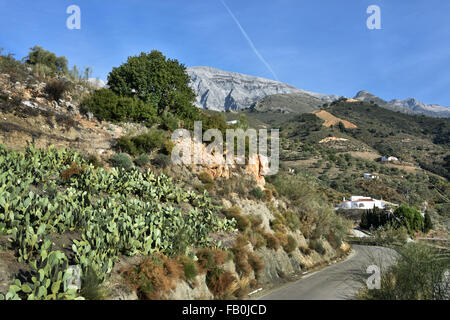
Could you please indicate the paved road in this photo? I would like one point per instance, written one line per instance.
(336, 282)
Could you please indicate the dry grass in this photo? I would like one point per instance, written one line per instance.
(73, 170)
(272, 241)
(154, 277)
(241, 256)
(220, 282)
(208, 259)
(257, 239)
(243, 223)
(256, 262)
(242, 287)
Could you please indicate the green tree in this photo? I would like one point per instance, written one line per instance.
(428, 224)
(155, 80)
(40, 56)
(410, 218)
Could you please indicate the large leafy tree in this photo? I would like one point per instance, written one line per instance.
(155, 80)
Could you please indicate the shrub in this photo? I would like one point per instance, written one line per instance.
(73, 170)
(108, 106)
(240, 253)
(255, 221)
(13, 67)
(162, 161)
(56, 89)
(125, 144)
(208, 259)
(257, 239)
(305, 250)
(241, 260)
(142, 160)
(391, 235)
(256, 262)
(242, 223)
(152, 140)
(317, 245)
(257, 193)
(290, 245)
(144, 143)
(292, 220)
(282, 238)
(409, 218)
(121, 160)
(277, 224)
(91, 286)
(428, 224)
(154, 277)
(235, 213)
(272, 241)
(94, 160)
(219, 281)
(231, 212)
(101, 103)
(40, 56)
(189, 268)
(205, 177)
(168, 146)
(268, 195)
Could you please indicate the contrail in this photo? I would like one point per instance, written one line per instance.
(250, 42)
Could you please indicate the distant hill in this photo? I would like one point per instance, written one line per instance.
(288, 103)
(408, 106)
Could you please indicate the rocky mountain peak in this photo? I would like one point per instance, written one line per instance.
(223, 90)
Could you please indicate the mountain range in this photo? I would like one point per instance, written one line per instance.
(220, 90)
(408, 106)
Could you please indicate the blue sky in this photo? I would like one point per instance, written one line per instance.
(322, 46)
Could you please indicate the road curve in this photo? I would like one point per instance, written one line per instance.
(340, 281)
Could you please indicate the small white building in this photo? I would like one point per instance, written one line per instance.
(232, 122)
(363, 203)
(370, 176)
(389, 159)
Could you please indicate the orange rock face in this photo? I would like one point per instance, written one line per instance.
(216, 166)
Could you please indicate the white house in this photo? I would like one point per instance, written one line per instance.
(370, 176)
(389, 159)
(360, 202)
(232, 122)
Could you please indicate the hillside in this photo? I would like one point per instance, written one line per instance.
(416, 139)
(330, 120)
(87, 181)
(338, 156)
